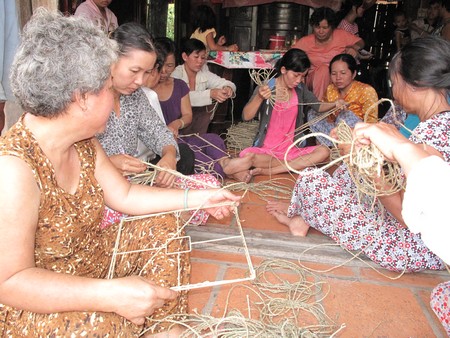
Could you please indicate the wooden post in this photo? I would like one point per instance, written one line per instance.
(27, 7)
(157, 17)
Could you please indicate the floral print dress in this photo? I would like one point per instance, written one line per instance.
(69, 240)
(329, 203)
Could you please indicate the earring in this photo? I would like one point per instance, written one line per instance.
(83, 102)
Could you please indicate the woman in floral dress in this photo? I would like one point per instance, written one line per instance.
(329, 202)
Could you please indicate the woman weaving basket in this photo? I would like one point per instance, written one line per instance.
(330, 203)
(54, 182)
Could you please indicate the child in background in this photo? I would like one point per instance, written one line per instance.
(356, 10)
(402, 32)
(205, 31)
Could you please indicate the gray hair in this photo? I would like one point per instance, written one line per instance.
(59, 57)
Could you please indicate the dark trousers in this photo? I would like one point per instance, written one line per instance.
(185, 164)
(201, 118)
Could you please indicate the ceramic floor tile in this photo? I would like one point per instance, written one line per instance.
(257, 217)
(219, 257)
(424, 298)
(201, 272)
(370, 310)
(329, 270)
(368, 303)
(246, 298)
(418, 279)
(366, 306)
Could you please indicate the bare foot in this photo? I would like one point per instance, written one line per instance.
(296, 224)
(242, 176)
(280, 216)
(270, 171)
(257, 171)
(277, 206)
(235, 165)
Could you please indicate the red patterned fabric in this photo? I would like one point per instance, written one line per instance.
(200, 217)
(245, 60)
(110, 216)
(352, 28)
(440, 306)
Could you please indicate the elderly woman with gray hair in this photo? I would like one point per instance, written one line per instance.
(55, 180)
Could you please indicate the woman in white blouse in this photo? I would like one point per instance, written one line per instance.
(205, 86)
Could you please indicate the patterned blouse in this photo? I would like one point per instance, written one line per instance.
(137, 120)
(360, 97)
(352, 28)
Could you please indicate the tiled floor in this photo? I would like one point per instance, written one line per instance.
(370, 302)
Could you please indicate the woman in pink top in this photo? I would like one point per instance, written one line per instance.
(279, 123)
(98, 12)
(322, 45)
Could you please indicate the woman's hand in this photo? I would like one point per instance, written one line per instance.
(251, 108)
(165, 179)
(220, 94)
(393, 145)
(136, 298)
(384, 136)
(127, 164)
(352, 50)
(332, 117)
(233, 48)
(364, 55)
(344, 149)
(340, 105)
(216, 197)
(175, 127)
(221, 40)
(228, 91)
(265, 92)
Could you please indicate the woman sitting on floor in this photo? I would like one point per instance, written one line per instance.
(279, 121)
(209, 149)
(358, 96)
(379, 230)
(204, 86)
(55, 179)
(423, 208)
